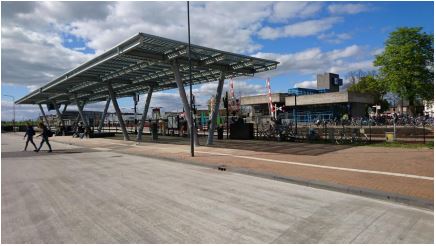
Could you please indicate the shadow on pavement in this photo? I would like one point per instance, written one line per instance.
(312, 149)
(31, 153)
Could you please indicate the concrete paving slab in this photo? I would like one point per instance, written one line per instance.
(395, 174)
(102, 196)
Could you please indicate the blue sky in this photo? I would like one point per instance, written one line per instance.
(42, 40)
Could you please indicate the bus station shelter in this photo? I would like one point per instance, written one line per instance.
(144, 64)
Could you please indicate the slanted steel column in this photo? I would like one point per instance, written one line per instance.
(43, 114)
(103, 115)
(65, 108)
(58, 113)
(117, 110)
(144, 114)
(77, 119)
(184, 100)
(216, 109)
(80, 109)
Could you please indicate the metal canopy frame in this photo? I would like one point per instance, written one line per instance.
(140, 62)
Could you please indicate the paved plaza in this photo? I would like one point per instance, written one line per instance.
(404, 175)
(98, 194)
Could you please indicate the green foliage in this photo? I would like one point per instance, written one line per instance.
(371, 85)
(406, 65)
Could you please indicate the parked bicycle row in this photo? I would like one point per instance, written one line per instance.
(381, 120)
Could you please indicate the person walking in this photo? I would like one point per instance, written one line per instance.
(45, 135)
(30, 132)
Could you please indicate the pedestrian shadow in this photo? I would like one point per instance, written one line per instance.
(31, 153)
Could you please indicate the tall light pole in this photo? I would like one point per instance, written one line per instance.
(13, 106)
(190, 84)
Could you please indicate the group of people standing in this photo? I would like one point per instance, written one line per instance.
(45, 134)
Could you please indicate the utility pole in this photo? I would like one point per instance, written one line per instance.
(13, 108)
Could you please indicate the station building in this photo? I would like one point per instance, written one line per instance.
(326, 102)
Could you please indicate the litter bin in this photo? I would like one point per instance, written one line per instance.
(153, 128)
(389, 137)
(220, 131)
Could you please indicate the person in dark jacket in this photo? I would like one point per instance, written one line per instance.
(29, 133)
(45, 135)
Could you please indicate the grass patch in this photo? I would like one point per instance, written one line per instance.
(428, 145)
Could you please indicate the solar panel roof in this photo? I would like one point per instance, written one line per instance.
(139, 62)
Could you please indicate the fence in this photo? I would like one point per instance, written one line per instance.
(343, 134)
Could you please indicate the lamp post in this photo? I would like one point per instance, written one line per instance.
(190, 84)
(13, 107)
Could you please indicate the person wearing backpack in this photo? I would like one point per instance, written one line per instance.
(46, 133)
(30, 132)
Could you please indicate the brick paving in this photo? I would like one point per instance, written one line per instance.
(396, 160)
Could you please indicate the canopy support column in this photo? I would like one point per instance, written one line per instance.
(216, 109)
(65, 108)
(58, 113)
(103, 115)
(185, 102)
(117, 110)
(144, 114)
(80, 109)
(43, 115)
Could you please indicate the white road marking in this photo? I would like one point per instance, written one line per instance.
(120, 144)
(102, 149)
(320, 166)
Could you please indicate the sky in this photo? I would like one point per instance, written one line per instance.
(42, 40)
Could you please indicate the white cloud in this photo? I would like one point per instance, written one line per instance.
(230, 25)
(306, 84)
(377, 51)
(299, 29)
(348, 8)
(284, 11)
(349, 51)
(334, 38)
(313, 61)
(33, 33)
(22, 112)
(33, 58)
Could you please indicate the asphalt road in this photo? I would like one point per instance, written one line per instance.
(80, 195)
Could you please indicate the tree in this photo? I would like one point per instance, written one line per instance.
(406, 65)
(371, 84)
(354, 77)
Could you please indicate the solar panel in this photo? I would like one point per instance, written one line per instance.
(139, 62)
